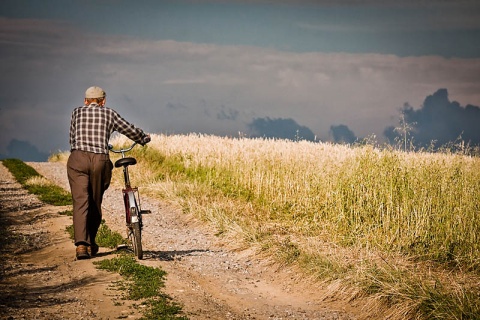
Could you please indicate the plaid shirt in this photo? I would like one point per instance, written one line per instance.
(91, 127)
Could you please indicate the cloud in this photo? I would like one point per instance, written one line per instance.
(279, 128)
(25, 151)
(181, 87)
(342, 134)
(439, 120)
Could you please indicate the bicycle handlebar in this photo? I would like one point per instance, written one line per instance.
(110, 147)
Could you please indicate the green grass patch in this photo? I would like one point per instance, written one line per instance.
(108, 238)
(68, 213)
(69, 230)
(51, 194)
(32, 181)
(20, 170)
(105, 237)
(143, 283)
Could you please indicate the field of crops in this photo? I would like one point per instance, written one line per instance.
(400, 227)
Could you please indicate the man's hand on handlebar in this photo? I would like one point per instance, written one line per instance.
(146, 139)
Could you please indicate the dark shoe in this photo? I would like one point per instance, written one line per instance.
(93, 250)
(82, 252)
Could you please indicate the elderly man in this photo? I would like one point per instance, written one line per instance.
(89, 167)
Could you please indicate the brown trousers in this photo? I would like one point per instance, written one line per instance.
(89, 175)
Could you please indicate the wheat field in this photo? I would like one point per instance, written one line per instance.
(423, 204)
(400, 227)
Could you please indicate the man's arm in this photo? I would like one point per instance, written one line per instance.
(126, 128)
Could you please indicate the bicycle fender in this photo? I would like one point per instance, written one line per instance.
(131, 203)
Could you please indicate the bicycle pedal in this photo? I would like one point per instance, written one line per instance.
(145, 211)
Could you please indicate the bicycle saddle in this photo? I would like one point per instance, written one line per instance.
(123, 162)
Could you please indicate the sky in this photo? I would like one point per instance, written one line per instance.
(239, 68)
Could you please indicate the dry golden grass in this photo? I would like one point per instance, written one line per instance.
(399, 227)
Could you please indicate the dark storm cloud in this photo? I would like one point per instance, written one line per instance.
(24, 150)
(342, 134)
(439, 120)
(279, 128)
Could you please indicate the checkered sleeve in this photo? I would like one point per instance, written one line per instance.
(126, 128)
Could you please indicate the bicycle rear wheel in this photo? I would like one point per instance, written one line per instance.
(137, 240)
(136, 235)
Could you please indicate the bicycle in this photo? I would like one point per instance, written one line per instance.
(131, 199)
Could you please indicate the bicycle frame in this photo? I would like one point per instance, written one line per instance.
(130, 196)
(131, 199)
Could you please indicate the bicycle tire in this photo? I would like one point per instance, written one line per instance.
(136, 233)
(137, 240)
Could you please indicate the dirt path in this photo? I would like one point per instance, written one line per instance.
(208, 277)
(39, 277)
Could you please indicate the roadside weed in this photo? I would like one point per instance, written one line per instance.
(143, 283)
(31, 180)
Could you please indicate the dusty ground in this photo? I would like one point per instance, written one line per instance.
(40, 279)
